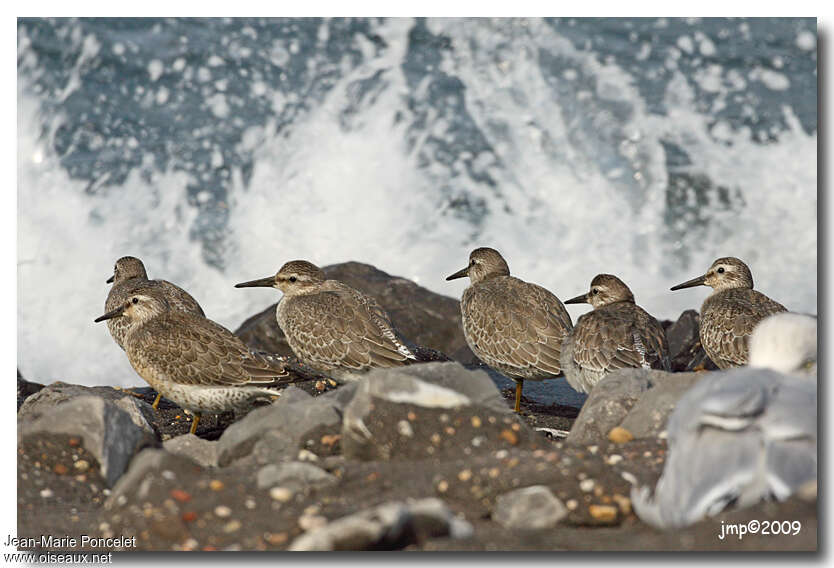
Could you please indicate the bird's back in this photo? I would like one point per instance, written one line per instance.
(515, 327)
(339, 327)
(727, 320)
(612, 337)
(187, 349)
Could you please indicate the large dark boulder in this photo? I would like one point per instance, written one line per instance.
(423, 317)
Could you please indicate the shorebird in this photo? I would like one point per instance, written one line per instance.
(730, 313)
(329, 325)
(742, 435)
(128, 275)
(616, 334)
(513, 326)
(191, 360)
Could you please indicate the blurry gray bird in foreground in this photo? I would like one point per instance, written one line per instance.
(743, 435)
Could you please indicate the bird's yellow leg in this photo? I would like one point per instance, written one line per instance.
(155, 404)
(518, 387)
(194, 422)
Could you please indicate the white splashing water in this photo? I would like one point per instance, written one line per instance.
(569, 204)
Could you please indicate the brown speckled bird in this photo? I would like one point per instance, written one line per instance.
(616, 334)
(730, 313)
(331, 326)
(513, 326)
(128, 275)
(191, 360)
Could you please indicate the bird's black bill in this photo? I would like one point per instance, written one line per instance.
(111, 314)
(268, 282)
(581, 299)
(459, 274)
(699, 281)
(110, 280)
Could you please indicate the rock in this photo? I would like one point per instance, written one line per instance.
(25, 389)
(425, 318)
(274, 433)
(135, 482)
(390, 526)
(648, 416)
(532, 507)
(608, 404)
(428, 411)
(203, 452)
(51, 396)
(296, 476)
(685, 349)
(113, 428)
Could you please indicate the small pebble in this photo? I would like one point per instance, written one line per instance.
(476, 422)
(571, 504)
(180, 495)
(189, 516)
(232, 526)
(509, 436)
(628, 476)
(620, 435)
(320, 386)
(81, 465)
(222, 511)
(60, 469)
(411, 416)
(465, 475)
(603, 513)
(435, 438)
(277, 539)
(613, 459)
(587, 485)
(330, 439)
(46, 493)
(593, 449)
(281, 494)
(443, 486)
(190, 544)
(307, 455)
(216, 485)
(249, 503)
(404, 428)
(168, 474)
(501, 454)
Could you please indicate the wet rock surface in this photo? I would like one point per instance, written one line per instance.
(427, 457)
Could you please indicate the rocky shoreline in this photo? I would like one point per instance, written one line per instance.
(426, 457)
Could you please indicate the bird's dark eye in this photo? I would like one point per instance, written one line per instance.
(472, 262)
(595, 291)
(293, 278)
(720, 270)
(135, 300)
